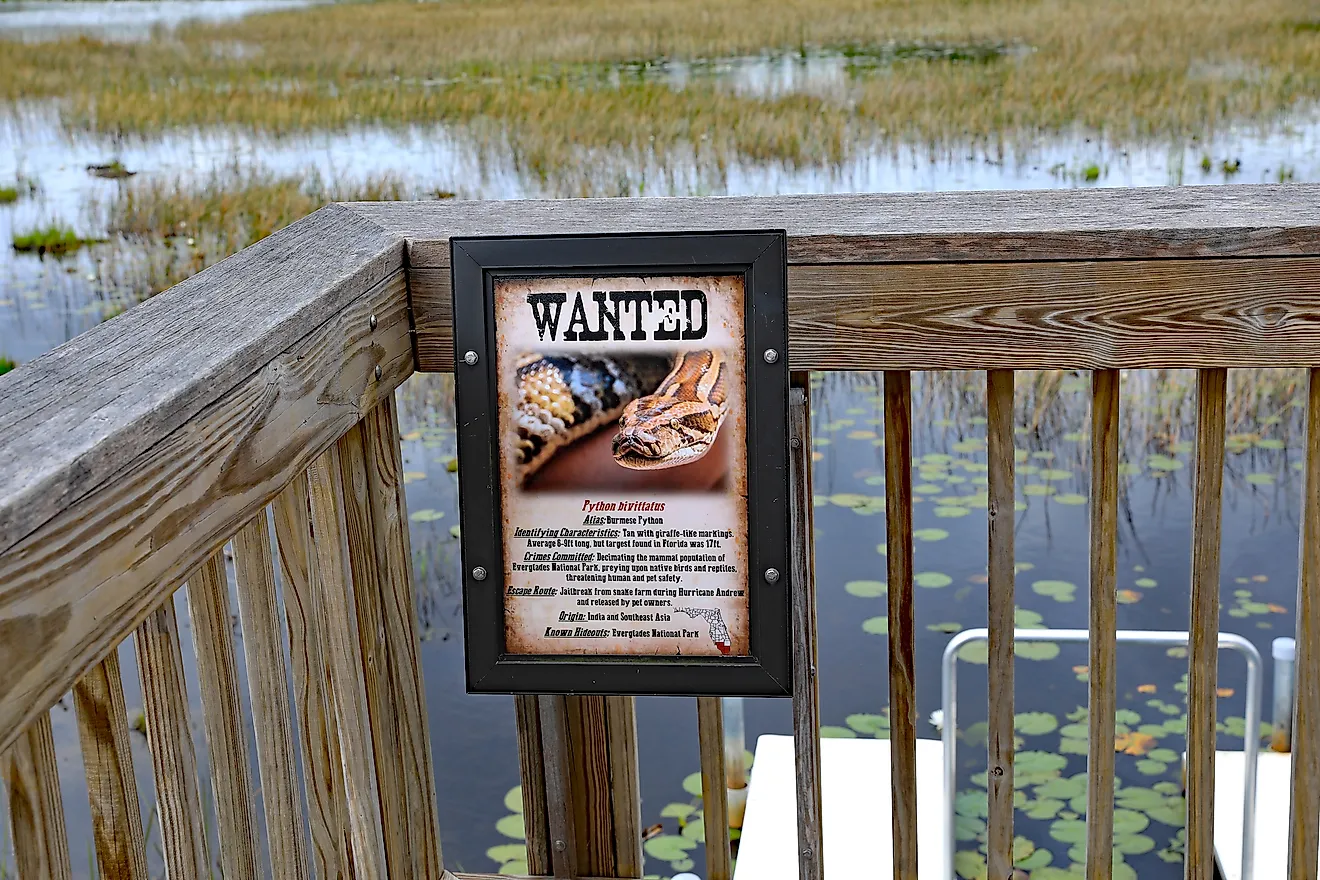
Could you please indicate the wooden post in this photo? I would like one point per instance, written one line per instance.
(588, 750)
(806, 695)
(999, 455)
(1104, 586)
(714, 788)
(1303, 845)
(902, 634)
(1203, 653)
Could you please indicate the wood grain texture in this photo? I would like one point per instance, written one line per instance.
(625, 785)
(1022, 315)
(322, 771)
(999, 744)
(344, 664)
(76, 586)
(36, 812)
(222, 716)
(1101, 678)
(1047, 224)
(402, 661)
(714, 791)
(555, 748)
(75, 416)
(267, 675)
(357, 508)
(169, 738)
(1304, 805)
(1203, 653)
(589, 763)
(98, 700)
(806, 694)
(902, 623)
(532, 768)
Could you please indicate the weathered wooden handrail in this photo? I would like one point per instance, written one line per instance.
(135, 451)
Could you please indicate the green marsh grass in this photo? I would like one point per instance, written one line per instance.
(53, 239)
(178, 228)
(531, 76)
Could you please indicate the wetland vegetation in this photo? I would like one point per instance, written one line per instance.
(129, 163)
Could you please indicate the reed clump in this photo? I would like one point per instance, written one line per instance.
(552, 80)
(54, 239)
(179, 227)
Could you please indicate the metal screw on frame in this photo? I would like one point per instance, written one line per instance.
(372, 322)
(470, 358)
(770, 355)
(771, 575)
(478, 573)
(378, 371)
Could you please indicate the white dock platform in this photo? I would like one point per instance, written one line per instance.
(1273, 789)
(856, 806)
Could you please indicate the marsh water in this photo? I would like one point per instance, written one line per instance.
(44, 302)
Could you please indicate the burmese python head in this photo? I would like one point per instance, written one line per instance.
(678, 422)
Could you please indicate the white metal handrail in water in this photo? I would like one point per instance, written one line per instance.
(1130, 636)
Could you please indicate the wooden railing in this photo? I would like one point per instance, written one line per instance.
(261, 391)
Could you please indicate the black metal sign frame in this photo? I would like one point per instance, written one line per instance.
(760, 259)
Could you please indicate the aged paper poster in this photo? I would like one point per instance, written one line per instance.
(623, 465)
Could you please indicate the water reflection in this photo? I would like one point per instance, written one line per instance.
(38, 21)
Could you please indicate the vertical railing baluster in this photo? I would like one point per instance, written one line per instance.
(267, 676)
(999, 457)
(714, 788)
(323, 771)
(531, 762)
(98, 699)
(1305, 800)
(398, 604)
(222, 714)
(343, 649)
(36, 811)
(169, 738)
(1211, 390)
(806, 693)
(1104, 562)
(902, 635)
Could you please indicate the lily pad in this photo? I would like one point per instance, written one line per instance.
(1163, 463)
(426, 515)
(513, 802)
(829, 731)
(866, 589)
(695, 830)
(668, 847)
(975, 652)
(507, 852)
(1036, 650)
(1035, 723)
(1260, 479)
(1072, 499)
(1054, 474)
(692, 784)
(677, 811)
(512, 826)
(930, 534)
(1145, 583)
(850, 499)
(932, 579)
(1059, 591)
(869, 725)
(946, 512)
(876, 626)
(1037, 490)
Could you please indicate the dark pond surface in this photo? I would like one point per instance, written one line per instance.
(1258, 595)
